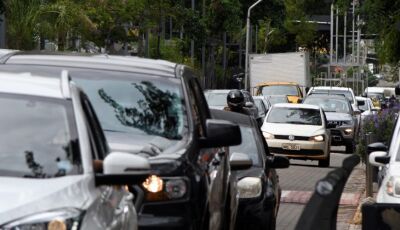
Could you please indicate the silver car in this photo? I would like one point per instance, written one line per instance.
(55, 166)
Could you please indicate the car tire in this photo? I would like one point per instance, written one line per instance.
(324, 163)
(350, 148)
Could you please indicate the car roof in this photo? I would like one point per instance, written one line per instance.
(238, 118)
(27, 84)
(296, 106)
(87, 61)
(337, 96)
(331, 88)
(362, 98)
(271, 83)
(217, 91)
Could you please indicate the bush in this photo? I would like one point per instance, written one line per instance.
(381, 126)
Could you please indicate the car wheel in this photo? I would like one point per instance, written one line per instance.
(350, 148)
(324, 163)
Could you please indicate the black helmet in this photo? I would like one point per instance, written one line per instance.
(235, 99)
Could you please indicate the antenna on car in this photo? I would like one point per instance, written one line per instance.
(65, 80)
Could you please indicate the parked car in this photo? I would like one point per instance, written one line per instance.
(56, 170)
(298, 131)
(263, 106)
(258, 187)
(155, 109)
(340, 117)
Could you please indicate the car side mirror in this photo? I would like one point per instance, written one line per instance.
(248, 104)
(278, 162)
(220, 133)
(377, 147)
(123, 168)
(240, 161)
(379, 158)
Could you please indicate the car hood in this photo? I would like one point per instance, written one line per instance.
(292, 129)
(330, 116)
(21, 197)
(163, 153)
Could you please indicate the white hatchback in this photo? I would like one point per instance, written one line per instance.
(298, 131)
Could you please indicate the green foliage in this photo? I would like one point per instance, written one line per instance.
(380, 125)
(383, 19)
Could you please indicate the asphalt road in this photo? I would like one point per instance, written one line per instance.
(301, 176)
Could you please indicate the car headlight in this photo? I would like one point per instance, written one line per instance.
(249, 187)
(268, 135)
(318, 138)
(165, 188)
(348, 131)
(393, 186)
(64, 219)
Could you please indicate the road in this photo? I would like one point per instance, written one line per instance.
(299, 181)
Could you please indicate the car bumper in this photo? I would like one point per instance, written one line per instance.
(308, 149)
(340, 137)
(166, 215)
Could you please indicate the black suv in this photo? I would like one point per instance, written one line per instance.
(155, 109)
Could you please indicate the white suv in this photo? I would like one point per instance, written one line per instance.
(55, 166)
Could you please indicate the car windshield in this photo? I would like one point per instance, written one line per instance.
(301, 116)
(39, 138)
(345, 93)
(248, 146)
(216, 99)
(336, 105)
(141, 105)
(279, 90)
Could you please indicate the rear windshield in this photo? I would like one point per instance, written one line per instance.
(216, 99)
(345, 93)
(248, 146)
(335, 105)
(39, 138)
(295, 116)
(280, 90)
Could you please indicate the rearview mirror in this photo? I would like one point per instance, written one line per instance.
(278, 162)
(379, 158)
(221, 133)
(240, 161)
(122, 169)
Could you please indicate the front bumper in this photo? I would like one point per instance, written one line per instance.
(340, 137)
(308, 149)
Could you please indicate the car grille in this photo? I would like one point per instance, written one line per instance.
(296, 138)
(336, 123)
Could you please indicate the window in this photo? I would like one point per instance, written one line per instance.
(295, 116)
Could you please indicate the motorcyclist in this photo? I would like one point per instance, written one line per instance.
(236, 102)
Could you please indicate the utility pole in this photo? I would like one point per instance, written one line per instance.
(246, 78)
(331, 44)
(352, 35)
(203, 47)
(192, 41)
(337, 35)
(344, 37)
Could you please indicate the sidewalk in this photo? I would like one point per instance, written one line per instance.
(348, 210)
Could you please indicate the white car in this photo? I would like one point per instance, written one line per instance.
(56, 171)
(388, 161)
(298, 131)
(347, 92)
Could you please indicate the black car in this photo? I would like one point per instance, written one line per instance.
(258, 187)
(155, 109)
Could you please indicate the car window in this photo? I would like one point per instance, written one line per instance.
(299, 116)
(276, 100)
(41, 139)
(248, 146)
(260, 106)
(280, 90)
(330, 104)
(216, 99)
(143, 105)
(363, 106)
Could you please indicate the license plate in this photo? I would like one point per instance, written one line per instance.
(291, 147)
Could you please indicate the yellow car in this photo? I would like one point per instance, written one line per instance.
(290, 89)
